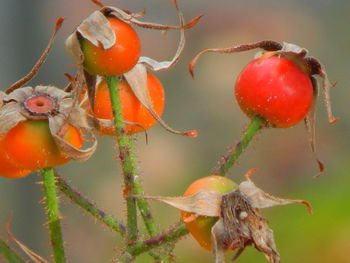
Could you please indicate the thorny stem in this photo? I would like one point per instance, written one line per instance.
(172, 235)
(229, 160)
(52, 211)
(131, 180)
(127, 158)
(89, 206)
(175, 233)
(7, 253)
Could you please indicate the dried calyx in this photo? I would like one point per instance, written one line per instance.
(52, 104)
(240, 222)
(97, 29)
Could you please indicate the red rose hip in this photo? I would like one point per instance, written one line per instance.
(275, 88)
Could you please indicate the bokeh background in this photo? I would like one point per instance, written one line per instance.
(169, 163)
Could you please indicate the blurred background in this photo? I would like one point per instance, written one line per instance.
(169, 163)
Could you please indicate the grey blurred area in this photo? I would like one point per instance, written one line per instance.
(169, 163)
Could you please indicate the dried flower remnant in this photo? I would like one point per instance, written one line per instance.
(98, 30)
(43, 127)
(239, 220)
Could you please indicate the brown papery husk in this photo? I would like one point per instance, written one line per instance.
(240, 221)
(67, 112)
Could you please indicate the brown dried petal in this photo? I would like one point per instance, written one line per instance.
(218, 233)
(262, 238)
(19, 95)
(40, 62)
(260, 199)
(294, 49)
(164, 65)
(76, 118)
(310, 126)
(10, 116)
(205, 202)
(137, 79)
(2, 96)
(267, 45)
(73, 48)
(97, 29)
(130, 18)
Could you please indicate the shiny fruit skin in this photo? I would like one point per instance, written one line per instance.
(118, 59)
(132, 109)
(275, 88)
(30, 145)
(200, 227)
(7, 169)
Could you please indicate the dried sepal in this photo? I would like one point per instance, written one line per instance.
(52, 104)
(260, 199)
(41, 60)
(164, 65)
(130, 18)
(267, 45)
(311, 126)
(2, 95)
(97, 29)
(316, 68)
(137, 79)
(30, 253)
(205, 202)
(240, 222)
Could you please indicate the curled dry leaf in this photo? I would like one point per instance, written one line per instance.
(52, 104)
(41, 60)
(137, 79)
(240, 222)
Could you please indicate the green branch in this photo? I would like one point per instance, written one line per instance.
(229, 160)
(127, 157)
(52, 212)
(132, 182)
(7, 253)
(172, 235)
(89, 207)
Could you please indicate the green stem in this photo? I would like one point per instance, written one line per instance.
(131, 179)
(127, 157)
(172, 235)
(52, 211)
(229, 160)
(7, 253)
(89, 207)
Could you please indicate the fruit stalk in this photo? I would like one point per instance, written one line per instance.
(52, 212)
(172, 235)
(127, 156)
(7, 253)
(91, 208)
(229, 160)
